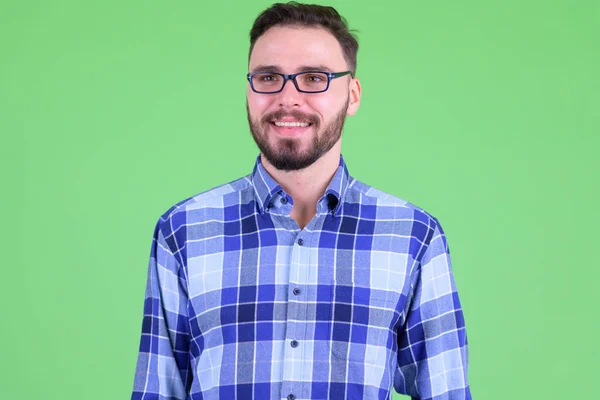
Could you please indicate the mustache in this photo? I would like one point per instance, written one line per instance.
(300, 116)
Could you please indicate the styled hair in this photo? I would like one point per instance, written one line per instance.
(307, 15)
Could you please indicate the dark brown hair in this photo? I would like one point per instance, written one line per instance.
(307, 15)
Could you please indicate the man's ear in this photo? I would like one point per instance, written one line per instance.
(355, 93)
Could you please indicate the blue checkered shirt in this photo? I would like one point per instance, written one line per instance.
(243, 304)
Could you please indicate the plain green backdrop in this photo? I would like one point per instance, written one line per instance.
(485, 113)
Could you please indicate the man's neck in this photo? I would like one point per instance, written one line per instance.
(307, 186)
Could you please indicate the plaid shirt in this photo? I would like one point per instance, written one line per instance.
(242, 304)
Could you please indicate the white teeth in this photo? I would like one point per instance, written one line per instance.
(303, 124)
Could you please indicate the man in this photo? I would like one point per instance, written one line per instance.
(298, 281)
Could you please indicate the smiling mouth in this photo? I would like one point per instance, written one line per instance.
(282, 124)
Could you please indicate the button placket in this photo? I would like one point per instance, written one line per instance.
(296, 335)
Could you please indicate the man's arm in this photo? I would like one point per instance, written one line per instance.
(163, 365)
(432, 348)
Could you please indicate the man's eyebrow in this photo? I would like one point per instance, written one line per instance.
(303, 68)
(266, 68)
(319, 67)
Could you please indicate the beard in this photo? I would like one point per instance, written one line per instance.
(288, 155)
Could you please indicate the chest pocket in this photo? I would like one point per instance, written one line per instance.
(362, 323)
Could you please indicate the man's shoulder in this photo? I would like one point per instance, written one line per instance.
(215, 197)
(363, 193)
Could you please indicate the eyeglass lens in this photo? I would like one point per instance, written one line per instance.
(307, 81)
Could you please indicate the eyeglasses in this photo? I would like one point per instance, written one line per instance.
(305, 82)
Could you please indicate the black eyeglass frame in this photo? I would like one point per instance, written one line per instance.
(292, 77)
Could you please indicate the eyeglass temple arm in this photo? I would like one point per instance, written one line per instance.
(339, 74)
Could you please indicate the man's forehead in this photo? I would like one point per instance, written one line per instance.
(300, 68)
(298, 48)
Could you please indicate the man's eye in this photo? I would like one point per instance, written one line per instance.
(268, 78)
(314, 78)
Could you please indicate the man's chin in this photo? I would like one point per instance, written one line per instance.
(288, 160)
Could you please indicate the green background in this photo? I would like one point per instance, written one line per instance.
(485, 113)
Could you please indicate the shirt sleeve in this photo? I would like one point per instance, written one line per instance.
(432, 347)
(163, 369)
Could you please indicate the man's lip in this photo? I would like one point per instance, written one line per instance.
(289, 120)
(273, 122)
(290, 131)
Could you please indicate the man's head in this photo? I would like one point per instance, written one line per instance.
(291, 38)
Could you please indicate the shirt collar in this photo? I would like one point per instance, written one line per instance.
(265, 189)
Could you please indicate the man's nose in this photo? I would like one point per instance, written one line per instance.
(289, 95)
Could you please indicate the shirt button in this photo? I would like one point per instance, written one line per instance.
(291, 397)
(284, 200)
(296, 291)
(294, 343)
(300, 242)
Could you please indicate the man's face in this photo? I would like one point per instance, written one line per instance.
(289, 50)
